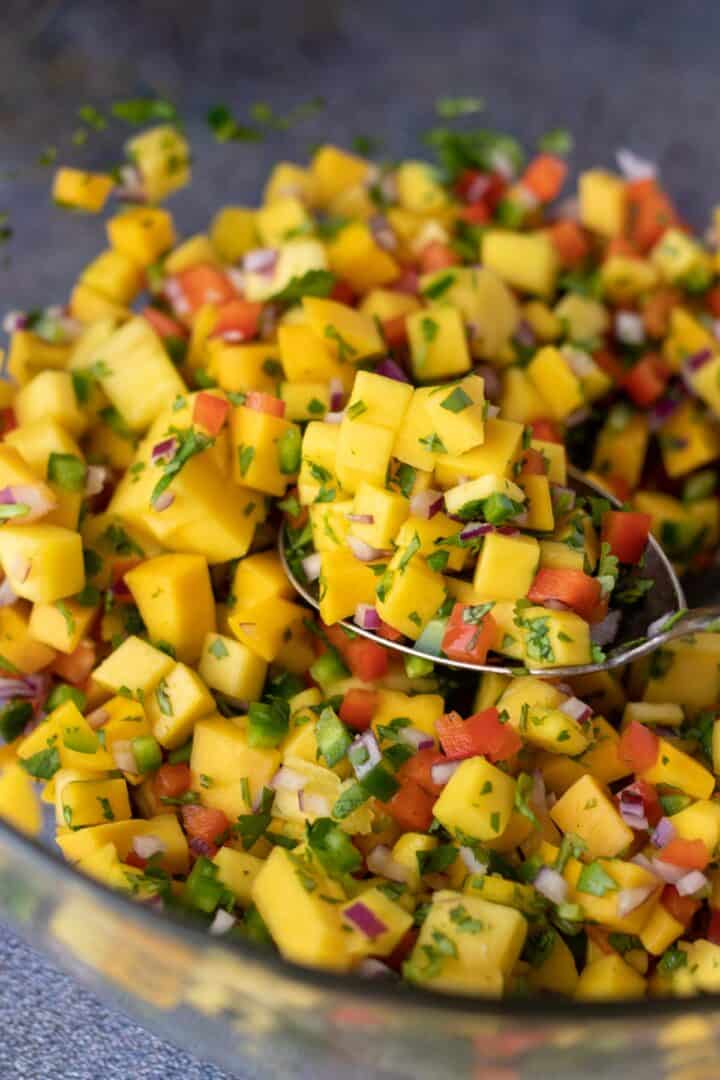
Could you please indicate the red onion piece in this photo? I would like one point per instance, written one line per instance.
(426, 504)
(473, 529)
(642, 860)
(667, 871)
(337, 395)
(555, 605)
(382, 232)
(361, 519)
(365, 552)
(381, 862)
(634, 167)
(605, 632)
(552, 885)
(146, 846)
(261, 261)
(578, 417)
(368, 743)
(164, 451)
(287, 779)
(661, 411)
(38, 498)
(576, 710)
(14, 321)
(691, 883)
(491, 381)
(163, 501)
(312, 565)
(95, 479)
(313, 804)
(663, 833)
(97, 718)
(391, 370)
(222, 923)
(334, 417)
(370, 968)
(478, 188)
(524, 334)
(8, 596)
(442, 772)
(698, 359)
(419, 740)
(408, 282)
(474, 865)
(367, 617)
(630, 899)
(364, 919)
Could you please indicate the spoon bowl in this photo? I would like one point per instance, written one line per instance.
(661, 616)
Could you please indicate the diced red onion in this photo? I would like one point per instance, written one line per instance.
(576, 710)
(391, 370)
(8, 596)
(442, 772)
(337, 395)
(524, 334)
(38, 498)
(632, 811)
(370, 968)
(334, 417)
(381, 862)
(663, 833)
(661, 411)
(131, 188)
(367, 617)
(492, 411)
(147, 846)
(164, 451)
(369, 743)
(474, 865)
(668, 871)
(163, 501)
(312, 565)
(236, 278)
(261, 261)
(642, 860)
(629, 328)
(478, 188)
(604, 632)
(563, 496)
(32, 686)
(313, 804)
(361, 519)
(552, 885)
(426, 504)
(19, 567)
(491, 382)
(364, 919)
(97, 718)
(14, 321)
(634, 167)
(407, 282)
(382, 232)
(123, 756)
(521, 519)
(555, 605)
(630, 899)
(222, 923)
(419, 740)
(506, 530)
(365, 552)
(287, 779)
(473, 529)
(691, 883)
(579, 416)
(95, 479)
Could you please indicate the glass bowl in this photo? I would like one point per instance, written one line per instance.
(640, 75)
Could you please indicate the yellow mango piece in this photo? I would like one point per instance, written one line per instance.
(30, 354)
(601, 759)
(165, 827)
(477, 800)
(37, 441)
(391, 915)
(284, 216)
(621, 447)
(609, 979)
(260, 577)
(660, 930)
(138, 375)
(527, 261)
(257, 458)
(602, 202)
(706, 382)
(388, 510)
(178, 701)
(686, 673)
(18, 647)
(387, 304)
(162, 156)
(61, 625)
(351, 335)
(583, 319)
(306, 400)
(553, 378)
(689, 439)
(113, 275)
(499, 450)
(557, 972)
(18, 802)
(90, 802)
(287, 179)
(239, 368)
(89, 305)
(332, 171)
(625, 277)
(237, 870)
(605, 909)
(676, 254)
(521, 400)
(43, 563)
(678, 769)
(134, 664)
(355, 256)
(378, 400)
(345, 582)
(143, 233)
(538, 500)
(430, 532)
(586, 810)
(233, 232)
(175, 599)
(506, 567)
(221, 752)
(422, 710)
(414, 443)
(409, 593)
(363, 453)
(232, 668)
(554, 555)
(263, 630)
(438, 344)
(78, 190)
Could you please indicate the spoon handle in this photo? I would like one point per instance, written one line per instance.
(677, 625)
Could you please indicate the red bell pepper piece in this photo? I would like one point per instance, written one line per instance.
(645, 382)
(210, 412)
(411, 807)
(357, 709)
(240, 318)
(682, 908)
(164, 325)
(172, 781)
(265, 403)
(437, 256)
(627, 533)
(545, 176)
(574, 588)
(204, 284)
(418, 768)
(570, 242)
(690, 854)
(468, 638)
(481, 734)
(638, 747)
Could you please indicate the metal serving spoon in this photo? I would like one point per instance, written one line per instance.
(665, 599)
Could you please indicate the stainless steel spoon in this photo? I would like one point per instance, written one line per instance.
(665, 599)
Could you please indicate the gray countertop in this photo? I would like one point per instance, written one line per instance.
(618, 73)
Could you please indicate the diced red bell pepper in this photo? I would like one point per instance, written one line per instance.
(395, 332)
(477, 213)
(418, 768)
(570, 242)
(620, 245)
(75, 667)
(408, 281)
(627, 533)
(357, 709)
(690, 854)
(533, 463)
(8, 420)
(164, 325)
(437, 256)
(210, 412)
(646, 380)
(367, 660)
(265, 403)
(712, 301)
(411, 807)
(467, 640)
(574, 588)
(610, 364)
(545, 176)
(206, 828)
(546, 431)
(133, 859)
(241, 318)
(600, 937)
(638, 747)
(474, 186)
(682, 908)
(389, 632)
(172, 781)
(649, 213)
(342, 292)
(205, 284)
(713, 930)
(483, 733)
(657, 309)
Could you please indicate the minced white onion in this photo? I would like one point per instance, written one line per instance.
(552, 885)
(629, 899)
(222, 922)
(629, 328)
(634, 167)
(147, 846)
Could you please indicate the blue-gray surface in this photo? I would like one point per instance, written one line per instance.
(617, 73)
